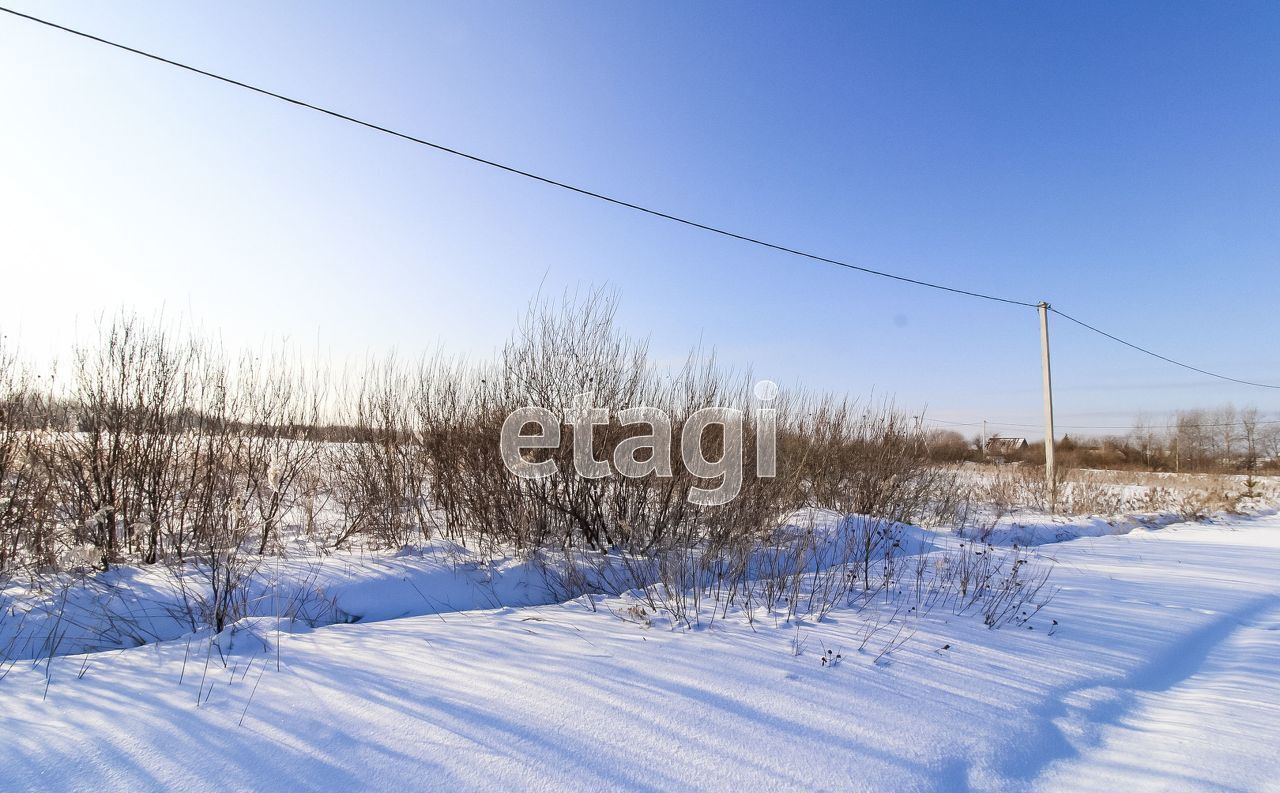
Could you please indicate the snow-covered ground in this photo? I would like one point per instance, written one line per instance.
(64, 614)
(1155, 667)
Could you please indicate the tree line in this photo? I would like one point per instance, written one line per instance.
(1197, 440)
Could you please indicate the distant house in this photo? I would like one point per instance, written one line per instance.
(998, 446)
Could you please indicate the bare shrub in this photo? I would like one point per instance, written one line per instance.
(26, 522)
(161, 449)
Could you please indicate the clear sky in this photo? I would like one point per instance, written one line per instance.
(1120, 160)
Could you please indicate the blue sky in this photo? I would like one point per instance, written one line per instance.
(1121, 160)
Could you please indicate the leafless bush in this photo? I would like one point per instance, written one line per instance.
(866, 460)
(565, 358)
(161, 449)
(1004, 489)
(378, 479)
(26, 522)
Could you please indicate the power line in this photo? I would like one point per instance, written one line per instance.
(1166, 359)
(1166, 425)
(613, 200)
(519, 172)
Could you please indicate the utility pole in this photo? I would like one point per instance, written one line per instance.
(1050, 480)
(984, 439)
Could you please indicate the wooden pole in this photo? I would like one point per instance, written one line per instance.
(1050, 479)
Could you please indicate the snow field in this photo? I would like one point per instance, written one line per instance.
(1162, 638)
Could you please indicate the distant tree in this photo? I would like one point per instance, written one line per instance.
(1146, 439)
(1228, 432)
(1193, 444)
(947, 446)
(1269, 442)
(1249, 432)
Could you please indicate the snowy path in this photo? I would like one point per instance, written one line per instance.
(1161, 674)
(1207, 720)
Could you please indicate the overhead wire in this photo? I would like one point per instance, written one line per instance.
(974, 293)
(520, 171)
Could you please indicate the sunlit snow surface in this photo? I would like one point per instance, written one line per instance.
(1162, 673)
